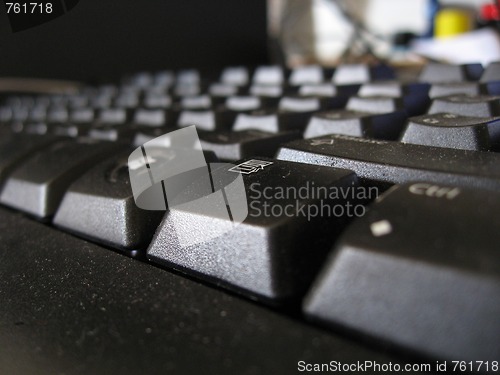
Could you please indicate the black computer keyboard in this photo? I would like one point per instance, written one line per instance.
(369, 240)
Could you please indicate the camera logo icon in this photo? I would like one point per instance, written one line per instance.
(171, 173)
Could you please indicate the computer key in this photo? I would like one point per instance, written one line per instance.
(468, 88)
(69, 130)
(112, 133)
(438, 72)
(347, 74)
(384, 163)
(238, 76)
(453, 88)
(300, 104)
(144, 134)
(358, 124)
(38, 184)
(251, 234)
(196, 102)
(310, 74)
(243, 103)
(455, 131)
(491, 73)
(393, 89)
(82, 115)
(202, 119)
(269, 75)
(414, 273)
(14, 149)
(155, 100)
(5, 114)
(232, 146)
(100, 205)
(467, 105)
(272, 121)
(271, 91)
(113, 116)
(150, 117)
(222, 90)
(188, 76)
(413, 104)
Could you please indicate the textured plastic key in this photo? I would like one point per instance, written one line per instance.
(385, 163)
(421, 271)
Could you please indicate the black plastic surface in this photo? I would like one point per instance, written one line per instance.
(72, 307)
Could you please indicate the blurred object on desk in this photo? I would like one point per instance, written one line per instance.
(331, 32)
(452, 21)
(482, 46)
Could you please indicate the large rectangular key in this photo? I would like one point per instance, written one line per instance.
(385, 163)
(421, 271)
(38, 184)
(257, 232)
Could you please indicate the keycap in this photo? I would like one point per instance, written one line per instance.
(203, 119)
(412, 104)
(82, 115)
(196, 102)
(491, 73)
(299, 104)
(150, 117)
(112, 116)
(383, 163)
(223, 90)
(69, 130)
(39, 128)
(237, 76)
(272, 121)
(127, 100)
(38, 114)
(356, 123)
(419, 270)
(5, 114)
(163, 78)
(320, 89)
(452, 88)
(111, 133)
(272, 91)
(141, 79)
(58, 115)
(157, 100)
(438, 72)
(393, 88)
(100, 205)
(467, 105)
(38, 184)
(188, 76)
(306, 75)
(243, 103)
(251, 248)
(360, 73)
(14, 149)
(187, 89)
(232, 146)
(268, 75)
(455, 131)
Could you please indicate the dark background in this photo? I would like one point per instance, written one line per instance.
(104, 39)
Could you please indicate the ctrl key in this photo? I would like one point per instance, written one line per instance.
(421, 271)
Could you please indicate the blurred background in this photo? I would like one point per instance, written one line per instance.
(108, 38)
(329, 32)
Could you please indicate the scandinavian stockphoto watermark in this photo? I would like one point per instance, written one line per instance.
(170, 172)
(309, 200)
